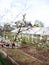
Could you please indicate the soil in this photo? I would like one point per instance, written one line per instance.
(34, 58)
(42, 55)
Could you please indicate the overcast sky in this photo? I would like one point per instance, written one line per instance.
(12, 10)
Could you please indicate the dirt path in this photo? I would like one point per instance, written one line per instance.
(35, 61)
(34, 53)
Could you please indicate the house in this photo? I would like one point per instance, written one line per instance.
(38, 33)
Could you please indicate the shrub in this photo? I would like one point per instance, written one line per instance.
(42, 46)
(23, 40)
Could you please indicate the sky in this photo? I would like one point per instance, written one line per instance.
(12, 10)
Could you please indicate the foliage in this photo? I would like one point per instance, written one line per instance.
(42, 46)
(44, 37)
(38, 24)
(36, 40)
(7, 27)
(23, 41)
(30, 39)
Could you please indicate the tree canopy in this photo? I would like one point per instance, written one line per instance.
(38, 23)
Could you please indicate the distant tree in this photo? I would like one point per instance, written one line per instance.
(6, 30)
(38, 24)
(7, 27)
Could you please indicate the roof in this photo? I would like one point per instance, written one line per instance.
(35, 30)
(43, 31)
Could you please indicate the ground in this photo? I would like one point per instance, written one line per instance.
(0, 63)
(29, 55)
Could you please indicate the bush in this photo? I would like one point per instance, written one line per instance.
(41, 45)
(30, 39)
(23, 40)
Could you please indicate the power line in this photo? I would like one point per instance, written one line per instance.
(22, 11)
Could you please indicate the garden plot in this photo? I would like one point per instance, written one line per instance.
(41, 54)
(22, 58)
